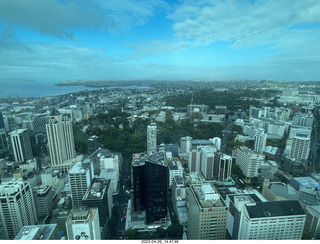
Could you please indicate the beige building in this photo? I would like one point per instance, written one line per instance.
(207, 214)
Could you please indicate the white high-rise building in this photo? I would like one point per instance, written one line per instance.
(222, 166)
(152, 138)
(60, 140)
(21, 145)
(278, 220)
(186, 144)
(248, 161)
(80, 177)
(300, 147)
(83, 224)
(217, 142)
(17, 207)
(260, 141)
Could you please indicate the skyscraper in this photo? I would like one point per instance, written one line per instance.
(260, 141)
(60, 140)
(152, 138)
(3, 141)
(248, 161)
(1, 121)
(156, 174)
(150, 186)
(17, 207)
(21, 145)
(207, 162)
(80, 176)
(99, 195)
(83, 224)
(300, 147)
(222, 166)
(207, 214)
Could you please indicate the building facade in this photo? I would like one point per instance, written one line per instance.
(151, 138)
(279, 220)
(83, 224)
(248, 161)
(17, 207)
(21, 145)
(222, 166)
(80, 178)
(207, 214)
(60, 140)
(260, 141)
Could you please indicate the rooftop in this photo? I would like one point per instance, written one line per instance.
(36, 232)
(275, 209)
(287, 192)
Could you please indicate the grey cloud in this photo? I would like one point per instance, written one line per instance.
(61, 17)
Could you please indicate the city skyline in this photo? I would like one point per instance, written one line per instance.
(52, 40)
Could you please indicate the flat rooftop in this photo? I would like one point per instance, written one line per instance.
(36, 232)
(275, 209)
(284, 191)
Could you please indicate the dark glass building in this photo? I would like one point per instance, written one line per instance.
(99, 195)
(1, 121)
(150, 187)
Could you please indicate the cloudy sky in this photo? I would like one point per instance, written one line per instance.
(52, 40)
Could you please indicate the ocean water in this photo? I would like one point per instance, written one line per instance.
(36, 89)
(19, 88)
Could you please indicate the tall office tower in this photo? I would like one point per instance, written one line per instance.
(186, 144)
(300, 147)
(21, 145)
(313, 221)
(260, 141)
(3, 141)
(1, 121)
(152, 138)
(222, 166)
(60, 140)
(255, 112)
(207, 214)
(83, 224)
(17, 207)
(216, 143)
(93, 144)
(38, 232)
(80, 177)
(39, 123)
(303, 120)
(194, 161)
(278, 220)
(44, 197)
(100, 195)
(156, 182)
(248, 161)
(138, 184)
(207, 162)
(150, 186)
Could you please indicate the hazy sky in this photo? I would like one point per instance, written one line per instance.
(158, 39)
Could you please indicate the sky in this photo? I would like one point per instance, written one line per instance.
(52, 40)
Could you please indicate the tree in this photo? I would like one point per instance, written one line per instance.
(306, 236)
(131, 234)
(161, 232)
(175, 230)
